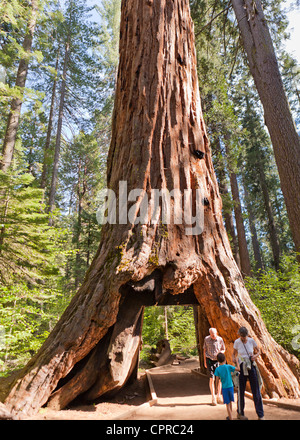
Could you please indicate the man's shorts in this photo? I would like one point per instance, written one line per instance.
(211, 367)
(228, 395)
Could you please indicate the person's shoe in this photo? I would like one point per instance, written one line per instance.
(242, 417)
(214, 402)
(261, 418)
(219, 400)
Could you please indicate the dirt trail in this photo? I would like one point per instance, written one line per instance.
(181, 395)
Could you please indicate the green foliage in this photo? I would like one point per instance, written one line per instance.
(82, 179)
(180, 329)
(27, 315)
(153, 325)
(277, 295)
(14, 17)
(41, 264)
(110, 14)
(27, 243)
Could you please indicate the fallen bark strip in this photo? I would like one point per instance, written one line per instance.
(283, 405)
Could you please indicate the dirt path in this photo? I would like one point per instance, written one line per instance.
(181, 395)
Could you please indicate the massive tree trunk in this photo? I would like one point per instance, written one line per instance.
(265, 71)
(157, 130)
(15, 111)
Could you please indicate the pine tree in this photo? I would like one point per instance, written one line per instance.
(26, 243)
(15, 110)
(264, 68)
(259, 170)
(82, 179)
(12, 24)
(216, 44)
(72, 81)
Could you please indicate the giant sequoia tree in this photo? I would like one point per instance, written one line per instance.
(158, 141)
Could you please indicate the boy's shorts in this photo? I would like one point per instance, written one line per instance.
(228, 395)
(211, 367)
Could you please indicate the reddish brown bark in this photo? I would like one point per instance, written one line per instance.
(157, 127)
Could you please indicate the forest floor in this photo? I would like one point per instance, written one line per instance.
(181, 395)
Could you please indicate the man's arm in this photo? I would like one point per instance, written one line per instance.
(222, 346)
(237, 367)
(256, 352)
(235, 357)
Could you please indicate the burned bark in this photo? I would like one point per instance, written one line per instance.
(111, 362)
(157, 127)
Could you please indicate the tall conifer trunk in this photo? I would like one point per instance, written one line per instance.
(227, 211)
(59, 132)
(271, 221)
(254, 238)
(49, 129)
(157, 128)
(264, 68)
(242, 241)
(15, 110)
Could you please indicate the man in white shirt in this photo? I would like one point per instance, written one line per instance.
(245, 351)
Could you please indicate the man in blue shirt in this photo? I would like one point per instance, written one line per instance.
(223, 371)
